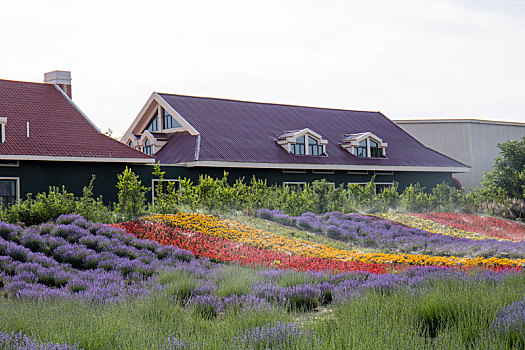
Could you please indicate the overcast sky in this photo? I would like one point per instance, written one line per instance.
(408, 59)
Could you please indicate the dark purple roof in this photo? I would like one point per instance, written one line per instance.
(238, 131)
(56, 128)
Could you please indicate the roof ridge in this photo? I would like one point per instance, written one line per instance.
(266, 103)
(26, 82)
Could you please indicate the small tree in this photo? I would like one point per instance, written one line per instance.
(131, 194)
(165, 196)
(509, 170)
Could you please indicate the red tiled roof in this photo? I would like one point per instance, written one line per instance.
(56, 127)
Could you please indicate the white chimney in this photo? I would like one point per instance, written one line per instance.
(60, 78)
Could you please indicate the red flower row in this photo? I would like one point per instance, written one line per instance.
(203, 245)
(488, 226)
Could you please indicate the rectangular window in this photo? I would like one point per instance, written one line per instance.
(295, 186)
(298, 148)
(382, 172)
(380, 186)
(357, 172)
(294, 171)
(168, 122)
(166, 183)
(325, 172)
(13, 163)
(154, 124)
(361, 151)
(9, 190)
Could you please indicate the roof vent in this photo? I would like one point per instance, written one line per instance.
(60, 78)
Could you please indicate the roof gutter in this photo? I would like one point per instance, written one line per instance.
(217, 164)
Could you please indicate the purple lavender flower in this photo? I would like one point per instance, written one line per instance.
(511, 320)
(206, 306)
(19, 341)
(276, 336)
(173, 343)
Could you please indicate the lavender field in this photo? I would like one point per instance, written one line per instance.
(73, 284)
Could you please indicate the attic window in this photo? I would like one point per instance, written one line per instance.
(303, 142)
(168, 122)
(148, 147)
(364, 145)
(130, 144)
(298, 148)
(154, 123)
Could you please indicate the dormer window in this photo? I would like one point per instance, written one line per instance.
(303, 142)
(314, 148)
(168, 122)
(298, 148)
(154, 123)
(364, 145)
(361, 150)
(148, 147)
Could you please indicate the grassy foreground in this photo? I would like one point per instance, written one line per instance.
(440, 314)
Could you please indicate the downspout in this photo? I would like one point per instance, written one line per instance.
(198, 148)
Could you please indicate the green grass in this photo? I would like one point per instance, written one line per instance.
(442, 314)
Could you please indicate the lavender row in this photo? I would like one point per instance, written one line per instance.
(80, 259)
(371, 232)
(19, 341)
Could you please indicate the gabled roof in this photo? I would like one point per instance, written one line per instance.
(232, 132)
(58, 130)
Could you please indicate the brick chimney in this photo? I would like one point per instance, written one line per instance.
(60, 78)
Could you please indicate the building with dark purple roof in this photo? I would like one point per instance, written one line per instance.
(284, 144)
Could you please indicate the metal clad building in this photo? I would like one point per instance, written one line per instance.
(470, 141)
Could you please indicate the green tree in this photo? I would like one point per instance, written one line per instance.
(509, 170)
(131, 194)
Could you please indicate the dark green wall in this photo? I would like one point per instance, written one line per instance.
(276, 176)
(37, 176)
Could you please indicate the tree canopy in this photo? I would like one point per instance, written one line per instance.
(509, 169)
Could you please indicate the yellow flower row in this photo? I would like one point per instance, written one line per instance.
(433, 227)
(234, 231)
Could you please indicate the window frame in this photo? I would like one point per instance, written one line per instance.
(295, 185)
(17, 186)
(155, 119)
(148, 147)
(155, 181)
(165, 120)
(366, 183)
(323, 172)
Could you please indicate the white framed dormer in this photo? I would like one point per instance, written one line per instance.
(157, 118)
(150, 144)
(364, 145)
(303, 142)
(3, 123)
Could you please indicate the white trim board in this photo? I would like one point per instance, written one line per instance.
(79, 159)
(203, 163)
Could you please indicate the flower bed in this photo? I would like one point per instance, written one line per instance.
(197, 224)
(222, 249)
(488, 226)
(392, 237)
(433, 227)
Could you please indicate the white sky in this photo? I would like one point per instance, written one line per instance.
(409, 59)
